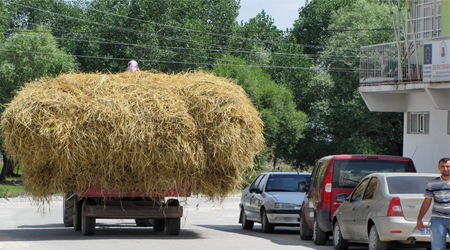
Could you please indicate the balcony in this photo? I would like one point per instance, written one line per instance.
(385, 64)
(382, 63)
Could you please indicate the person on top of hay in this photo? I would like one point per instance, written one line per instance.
(133, 66)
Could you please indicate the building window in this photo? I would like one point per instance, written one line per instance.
(426, 18)
(448, 123)
(418, 122)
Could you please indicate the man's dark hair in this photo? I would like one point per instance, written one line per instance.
(445, 159)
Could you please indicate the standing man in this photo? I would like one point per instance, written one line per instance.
(439, 190)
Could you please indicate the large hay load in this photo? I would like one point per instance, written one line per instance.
(148, 131)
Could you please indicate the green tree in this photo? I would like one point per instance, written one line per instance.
(284, 124)
(311, 28)
(29, 55)
(352, 127)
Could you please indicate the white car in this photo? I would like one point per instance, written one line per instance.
(272, 199)
(382, 211)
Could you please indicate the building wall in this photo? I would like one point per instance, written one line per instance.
(426, 149)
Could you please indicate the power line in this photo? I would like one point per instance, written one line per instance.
(191, 63)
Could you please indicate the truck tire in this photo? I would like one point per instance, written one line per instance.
(77, 213)
(68, 209)
(87, 223)
(173, 226)
(143, 222)
(159, 225)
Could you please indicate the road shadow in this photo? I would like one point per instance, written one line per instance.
(48, 232)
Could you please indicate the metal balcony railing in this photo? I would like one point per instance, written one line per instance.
(380, 63)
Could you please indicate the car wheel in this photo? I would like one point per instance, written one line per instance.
(319, 236)
(246, 224)
(339, 243)
(173, 226)
(374, 240)
(265, 225)
(305, 232)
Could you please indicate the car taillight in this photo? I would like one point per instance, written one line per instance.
(327, 188)
(395, 208)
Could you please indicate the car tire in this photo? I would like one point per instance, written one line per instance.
(339, 243)
(305, 232)
(265, 225)
(246, 224)
(319, 237)
(374, 240)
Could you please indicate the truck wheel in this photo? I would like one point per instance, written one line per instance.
(158, 225)
(173, 226)
(143, 222)
(68, 209)
(172, 202)
(77, 213)
(87, 223)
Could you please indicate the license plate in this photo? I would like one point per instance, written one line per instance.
(426, 230)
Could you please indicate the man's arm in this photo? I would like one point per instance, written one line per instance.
(423, 210)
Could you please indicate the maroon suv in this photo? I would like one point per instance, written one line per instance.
(338, 174)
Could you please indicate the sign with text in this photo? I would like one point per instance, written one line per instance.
(436, 61)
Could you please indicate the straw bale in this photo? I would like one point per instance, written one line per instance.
(146, 131)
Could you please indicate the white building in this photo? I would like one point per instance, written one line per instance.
(415, 80)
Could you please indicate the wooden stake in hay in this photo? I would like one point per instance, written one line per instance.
(132, 130)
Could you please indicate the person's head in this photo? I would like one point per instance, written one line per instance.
(444, 166)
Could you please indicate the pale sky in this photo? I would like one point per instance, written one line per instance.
(284, 12)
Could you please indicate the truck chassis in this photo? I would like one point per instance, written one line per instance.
(81, 211)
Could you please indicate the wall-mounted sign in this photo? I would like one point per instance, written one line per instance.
(436, 61)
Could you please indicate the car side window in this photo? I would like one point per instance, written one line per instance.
(314, 174)
(263, 182)
(321, 174)
(256, 182)
(356, 195)
(371, 188)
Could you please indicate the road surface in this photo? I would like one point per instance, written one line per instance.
(206, 225)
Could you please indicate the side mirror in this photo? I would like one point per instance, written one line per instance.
(341, 197)
(255, 190)
(303, 187)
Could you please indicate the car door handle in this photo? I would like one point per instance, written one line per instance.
(368, 207)
(353, 209)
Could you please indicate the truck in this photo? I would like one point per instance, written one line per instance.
(81, 208)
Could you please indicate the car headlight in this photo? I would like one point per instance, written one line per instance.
(286, 206)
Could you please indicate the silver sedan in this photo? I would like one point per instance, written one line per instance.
(382, 211)
(272, 199)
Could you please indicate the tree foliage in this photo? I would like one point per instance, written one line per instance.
(284, 124)
(29, 55)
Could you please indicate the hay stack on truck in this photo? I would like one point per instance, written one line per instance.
(119, 145)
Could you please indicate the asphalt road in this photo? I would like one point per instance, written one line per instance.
(205, 225)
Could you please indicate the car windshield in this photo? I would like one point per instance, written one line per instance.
(285, 183)
(348, 173)
(408, 184)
